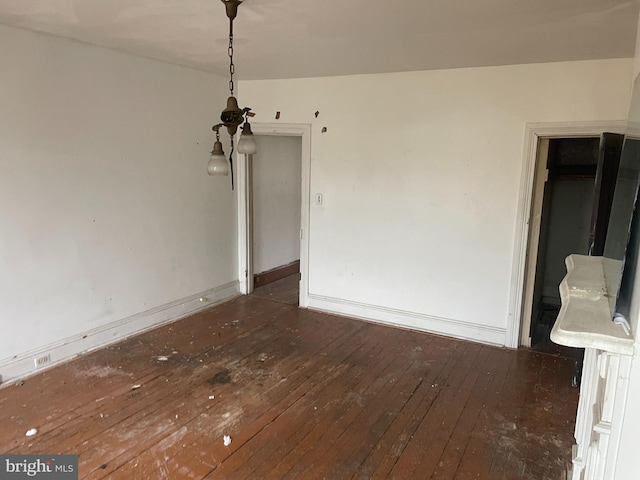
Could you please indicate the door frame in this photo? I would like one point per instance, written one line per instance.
(518, 324)
(244, 182)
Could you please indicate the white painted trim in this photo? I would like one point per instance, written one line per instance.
(244, 246)
(535, 131)
(410, 320)
(242, 180)
(22, 365)
(540, 178)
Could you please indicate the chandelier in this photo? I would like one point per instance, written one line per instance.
(232, 116)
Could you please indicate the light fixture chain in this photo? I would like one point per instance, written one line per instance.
(232, 67)
(233, 116)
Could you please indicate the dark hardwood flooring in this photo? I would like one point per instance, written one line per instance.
(284, 290)
(303, 395)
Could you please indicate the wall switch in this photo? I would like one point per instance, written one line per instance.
(318, 199)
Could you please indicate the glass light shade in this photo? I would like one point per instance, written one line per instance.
(247, 144)
(217, 163)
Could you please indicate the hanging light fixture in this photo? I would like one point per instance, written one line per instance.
(217, 163)
(232, 116)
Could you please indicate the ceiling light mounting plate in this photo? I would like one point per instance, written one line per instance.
(232, 7)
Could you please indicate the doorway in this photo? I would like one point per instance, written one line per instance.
(572, 193)
(268, 255)
(565, 220)
(275, 173)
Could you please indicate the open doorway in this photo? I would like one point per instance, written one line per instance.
(245, 205)
(275, 173)
(564, 226)
(573, 189)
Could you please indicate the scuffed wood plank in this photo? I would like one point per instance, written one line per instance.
(303, 395)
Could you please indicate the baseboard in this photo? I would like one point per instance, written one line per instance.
(260, 279)
(22, 365)
(410, 320)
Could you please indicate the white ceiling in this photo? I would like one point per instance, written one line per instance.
(304, 38)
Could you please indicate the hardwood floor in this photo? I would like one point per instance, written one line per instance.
(303, 395)
(284, 290)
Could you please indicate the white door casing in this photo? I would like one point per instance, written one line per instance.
(518, 324)
(244, 206)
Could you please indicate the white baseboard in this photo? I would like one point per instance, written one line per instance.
(411, 320)
(23, 364)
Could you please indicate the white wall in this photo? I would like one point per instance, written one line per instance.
(276, 202)
(108, 216)
(628, 464)
(420, 176)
